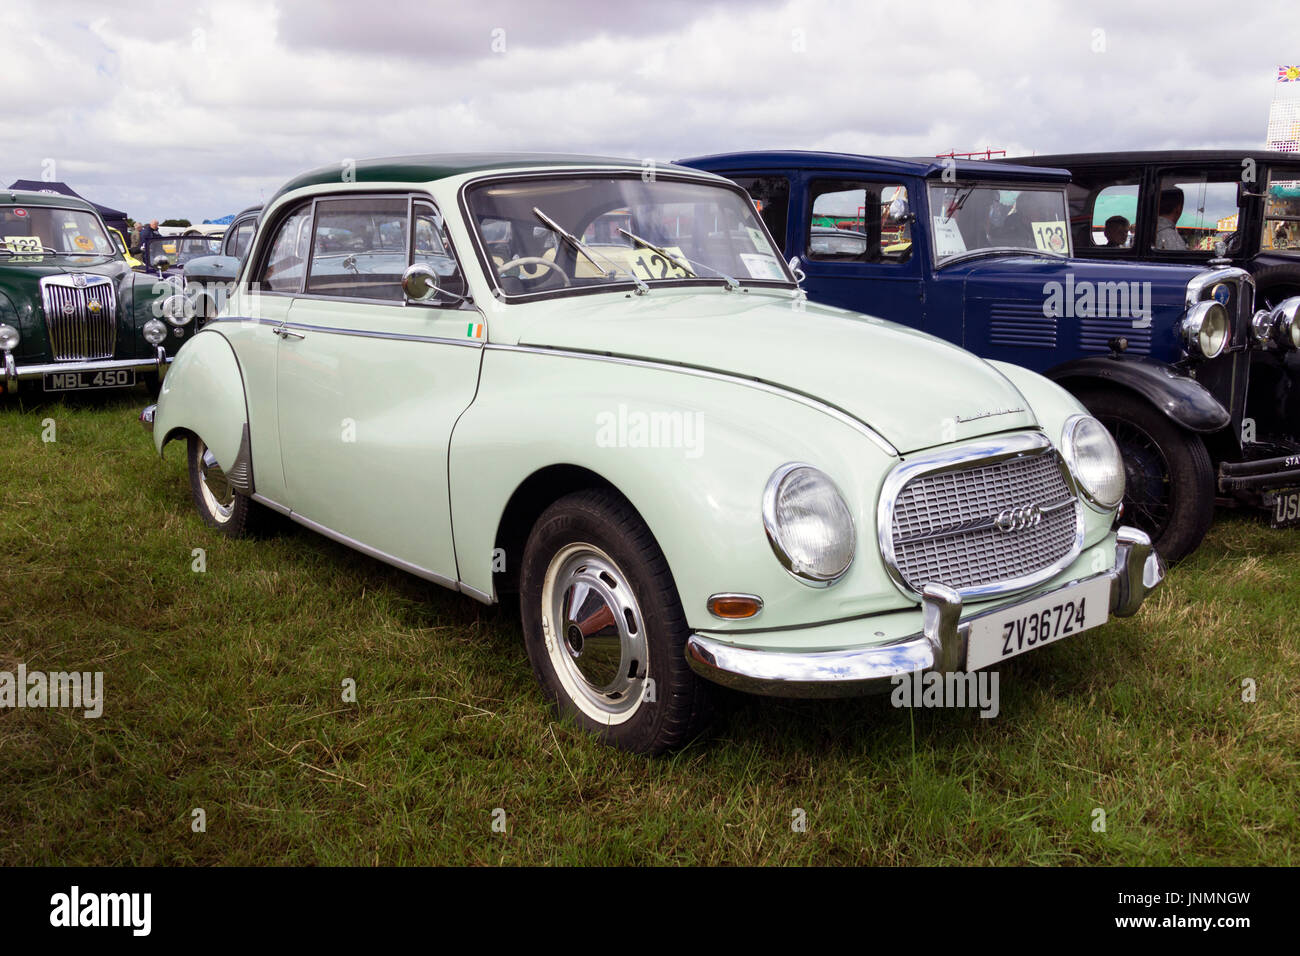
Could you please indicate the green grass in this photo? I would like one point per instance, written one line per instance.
(223, 691)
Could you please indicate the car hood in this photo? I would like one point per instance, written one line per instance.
(915, 390)
(988, 276)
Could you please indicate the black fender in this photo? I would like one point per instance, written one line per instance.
(1184, 400)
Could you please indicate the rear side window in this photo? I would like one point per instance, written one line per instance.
(240, 237)
(282, 271)
(771, 195)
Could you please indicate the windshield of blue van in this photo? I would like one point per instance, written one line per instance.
(568, 233)
(968, 217)
(50, 230)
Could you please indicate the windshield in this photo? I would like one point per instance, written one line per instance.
(49, 230)
(967, 218)
(564, 233)
(1282, 212)
(181, 249)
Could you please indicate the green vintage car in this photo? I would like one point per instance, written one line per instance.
(597, 385)
(73, 315)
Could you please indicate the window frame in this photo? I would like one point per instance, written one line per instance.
(411, 196)
(871, 236)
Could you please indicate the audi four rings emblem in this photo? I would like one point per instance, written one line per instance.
(1017, 519)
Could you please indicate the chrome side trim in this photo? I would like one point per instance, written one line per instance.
(770, 388)
(359, 333)
(147, 416)
(985, 451)
(356, 545)
(940, 645)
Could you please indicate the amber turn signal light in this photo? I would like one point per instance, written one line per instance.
(735, 607)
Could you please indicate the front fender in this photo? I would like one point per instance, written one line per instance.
(203, 393)
(1184, 400)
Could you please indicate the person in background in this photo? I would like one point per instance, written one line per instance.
(148, 231)
(1116, 230)
(1171, 207)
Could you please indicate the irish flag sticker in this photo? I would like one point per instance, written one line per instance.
(474, 330)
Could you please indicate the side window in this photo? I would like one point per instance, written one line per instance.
(282, 271)
(1282, 211)
(771, 195)
(240, 238)
(1114, 217)
(859, 222)
(1195, 213)
(359, 248)
(431, 246)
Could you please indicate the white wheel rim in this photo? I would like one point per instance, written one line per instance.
(214, 486)
(595, 634)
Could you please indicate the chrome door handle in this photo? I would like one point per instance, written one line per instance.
(284, 333)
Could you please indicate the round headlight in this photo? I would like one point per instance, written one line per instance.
(1205, 329)
(176, 309)
(1094, 460)
(808, 524)
(155, 333)
(1286, 322)
(9, 337)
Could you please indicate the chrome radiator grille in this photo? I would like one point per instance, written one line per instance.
(80, 316)
(987, 524)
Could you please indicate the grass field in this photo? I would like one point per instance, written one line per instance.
(224, 692)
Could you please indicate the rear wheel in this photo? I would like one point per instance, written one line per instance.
(1169, 479)
(219, 503)
(604, 627)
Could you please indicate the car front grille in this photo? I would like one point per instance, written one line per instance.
(984, 526)
(80, 316)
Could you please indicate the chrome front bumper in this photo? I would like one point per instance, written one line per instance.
(940, 645)
(14, 373)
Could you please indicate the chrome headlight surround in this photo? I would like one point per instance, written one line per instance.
(154, 332)
(839, 532)
(9, 337)
(1278, 327)
(1081, 429)
(1207, 329)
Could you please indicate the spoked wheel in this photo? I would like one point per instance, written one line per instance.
(604, 627)
(219, 503)
(1169, 479)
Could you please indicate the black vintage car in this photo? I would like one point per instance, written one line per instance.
(73, 315)
(1209, 207)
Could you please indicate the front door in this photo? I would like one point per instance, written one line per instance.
(370, 385)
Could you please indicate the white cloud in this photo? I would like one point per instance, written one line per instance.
(196, 111)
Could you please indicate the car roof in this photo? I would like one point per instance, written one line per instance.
(428, 167)
(29, 197)
(926, 166)
(1066, 160)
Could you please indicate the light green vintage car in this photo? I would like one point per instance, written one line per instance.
(596, 384)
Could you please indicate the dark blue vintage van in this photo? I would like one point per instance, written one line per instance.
(981, 254)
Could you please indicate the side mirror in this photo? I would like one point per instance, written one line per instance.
(161, 263)
(899, 210)
(420, 284)
(799, 274)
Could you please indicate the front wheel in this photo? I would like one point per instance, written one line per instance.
(219, 503)
(604, 627)
(1169, 479)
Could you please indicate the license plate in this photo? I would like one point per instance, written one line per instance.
(74, 381)
(1284, 508)
(1024, 627)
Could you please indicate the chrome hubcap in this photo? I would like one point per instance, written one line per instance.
(218, 494)
(594, 632)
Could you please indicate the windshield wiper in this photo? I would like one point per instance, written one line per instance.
(679, 261)
(957, 203)
(555, 227)
(44, 250)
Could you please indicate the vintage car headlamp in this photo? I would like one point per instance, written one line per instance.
(9, 338)
(1094, 460)
(176, 309)
(808, 524)
(155, 333)
(1206, 328)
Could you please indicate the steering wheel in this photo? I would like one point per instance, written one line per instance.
(534, 261)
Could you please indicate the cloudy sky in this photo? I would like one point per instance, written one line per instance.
(196, 110)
